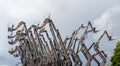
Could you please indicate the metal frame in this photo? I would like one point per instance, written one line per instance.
(37, 48)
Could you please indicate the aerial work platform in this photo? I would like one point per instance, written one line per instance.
(41, 46)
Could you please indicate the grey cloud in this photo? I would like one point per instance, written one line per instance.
(109, 21)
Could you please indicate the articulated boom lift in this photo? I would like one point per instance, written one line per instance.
(38, 46)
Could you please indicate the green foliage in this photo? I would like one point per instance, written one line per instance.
(115, 59)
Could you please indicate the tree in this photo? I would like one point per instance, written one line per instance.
(115, 59)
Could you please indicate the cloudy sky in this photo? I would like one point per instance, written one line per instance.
(66, 14)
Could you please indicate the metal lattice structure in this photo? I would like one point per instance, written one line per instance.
(37, 46)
